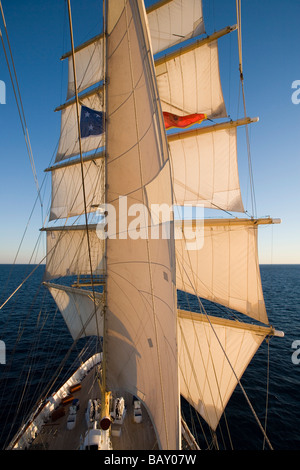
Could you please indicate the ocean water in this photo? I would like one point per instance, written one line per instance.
(36, 339)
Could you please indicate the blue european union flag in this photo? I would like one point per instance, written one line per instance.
(91, 122)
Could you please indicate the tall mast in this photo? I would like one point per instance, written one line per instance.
(104, 409)
(105, 402)
(81, 158)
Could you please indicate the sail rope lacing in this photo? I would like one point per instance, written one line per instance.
(18, 98)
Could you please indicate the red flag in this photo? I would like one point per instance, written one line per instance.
(171, 120)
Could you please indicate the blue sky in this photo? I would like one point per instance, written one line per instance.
(39, 35)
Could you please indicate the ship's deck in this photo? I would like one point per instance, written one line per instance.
(54, 435)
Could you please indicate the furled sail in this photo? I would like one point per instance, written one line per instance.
(171, 22)
(68, 255)
(213, 355)
(225, 267)
(67, 192)
(82, 310)
(140, 272)
(204, 168)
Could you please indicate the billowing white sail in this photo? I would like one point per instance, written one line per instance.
(204, 169)
(81, 310)
(67, 188)
(189, 81)
(89, 66)
(213, 355)
(128, 167)
(68, 254)
(69, 139)
(171, 22)
(141, 314)
(225, 267)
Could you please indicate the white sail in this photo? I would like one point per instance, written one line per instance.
(141, 313)
(68, 254)
(225, 268)
(213, 355)
(171, 22)
(67, 189)
(69, 140)
(82, 310)
(128, 164)
(89, 66)
(204, 168)
(189, 81)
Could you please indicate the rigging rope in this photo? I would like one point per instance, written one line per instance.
(267, 391)
(239, 30)
(19, 104)
(81, 162)
(23, 282)
(192, 283)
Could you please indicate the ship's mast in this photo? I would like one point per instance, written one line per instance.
(105, 395)
(79, 136)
